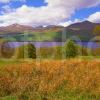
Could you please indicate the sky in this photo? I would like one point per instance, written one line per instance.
(48, 12)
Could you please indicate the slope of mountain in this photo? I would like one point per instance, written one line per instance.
(84, 25)
(83, 30)
(16, 28)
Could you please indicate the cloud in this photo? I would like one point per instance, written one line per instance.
(54, 13)
(69, 22)
(94, 17)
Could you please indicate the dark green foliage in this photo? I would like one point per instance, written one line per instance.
(27, 51)
(71, 49)
(31, 51)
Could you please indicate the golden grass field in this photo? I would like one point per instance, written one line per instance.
(51, 80)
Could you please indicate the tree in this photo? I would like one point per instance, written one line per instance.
(27, 51)
(71, 49)
(31, 51)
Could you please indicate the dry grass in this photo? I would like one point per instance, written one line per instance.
(48, 76)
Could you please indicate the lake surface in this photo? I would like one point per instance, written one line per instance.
(51, 44)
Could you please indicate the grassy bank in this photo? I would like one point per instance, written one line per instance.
(72, 79)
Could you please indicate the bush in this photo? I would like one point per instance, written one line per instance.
(31, 51)
(27, 51)
(71, 49)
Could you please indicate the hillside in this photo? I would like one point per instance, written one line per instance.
(84, 30)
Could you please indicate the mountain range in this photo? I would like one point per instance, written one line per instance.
(84, 30)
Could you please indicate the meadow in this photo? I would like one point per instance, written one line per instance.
(70, 79)
(69, 72)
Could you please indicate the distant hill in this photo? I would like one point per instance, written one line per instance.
(83, 30)
(16, 28)
(83, 25)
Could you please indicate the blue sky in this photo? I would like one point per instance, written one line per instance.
(34, 3)
(49, 11)
(84, 13)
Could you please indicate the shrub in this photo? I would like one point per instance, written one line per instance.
(31, 51)
(71, 49)
(27, 51)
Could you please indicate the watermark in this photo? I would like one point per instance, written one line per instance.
(16, 47)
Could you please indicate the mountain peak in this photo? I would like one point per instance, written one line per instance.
(86, 21)
(85, 25)
(16, 25)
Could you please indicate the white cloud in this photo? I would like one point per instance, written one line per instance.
(67, 23)
(54, 13)
(94, 17)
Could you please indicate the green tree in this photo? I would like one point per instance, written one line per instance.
(27, 51)
(71, 49)
(31, 51)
